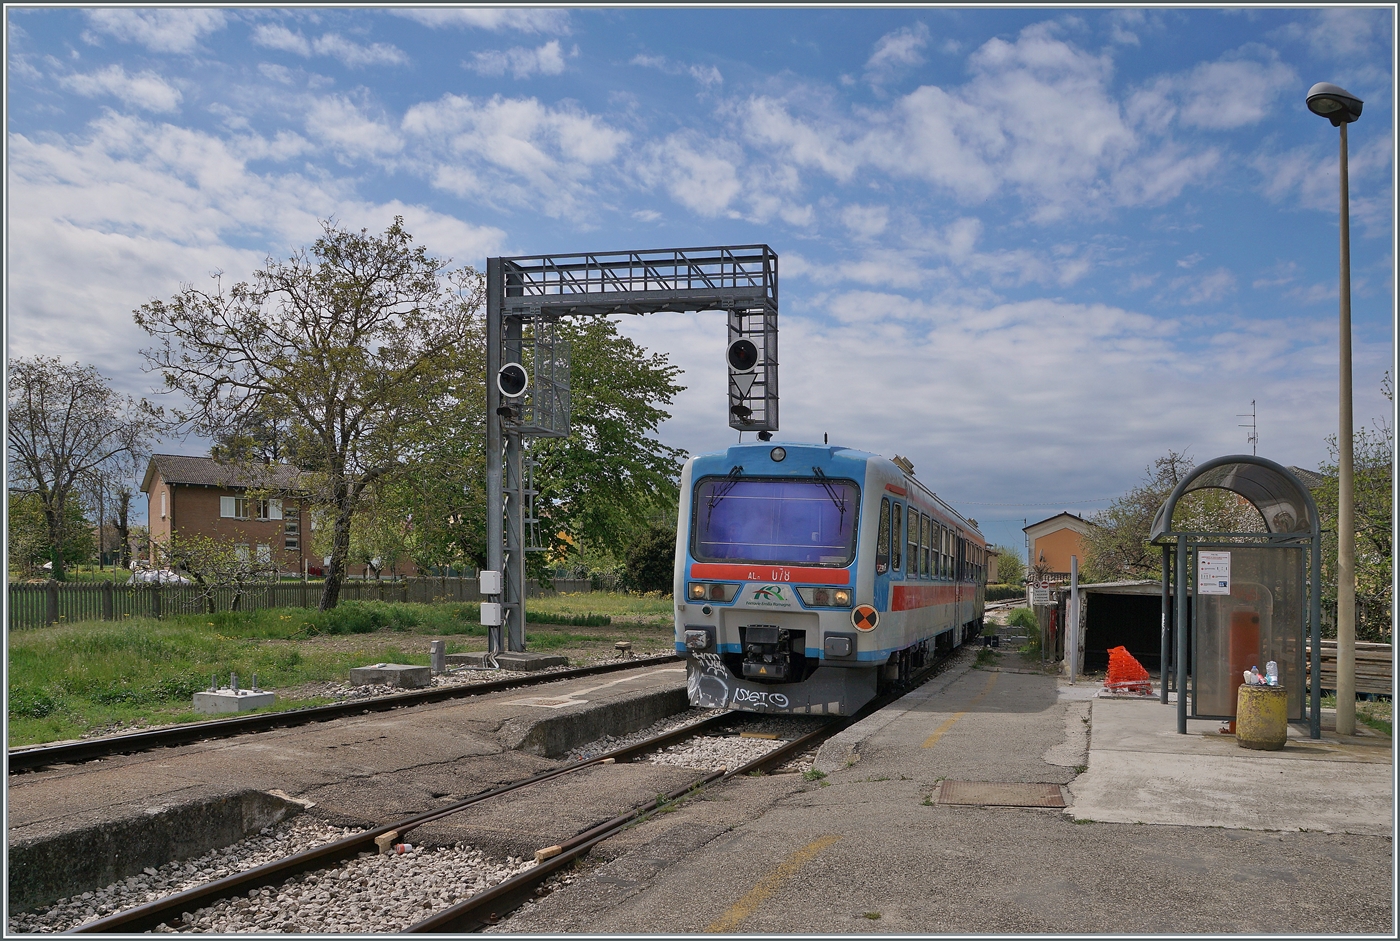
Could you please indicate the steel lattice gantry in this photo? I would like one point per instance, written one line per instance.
(526, 296)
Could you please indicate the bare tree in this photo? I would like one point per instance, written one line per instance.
(65, 425)
(347, 345)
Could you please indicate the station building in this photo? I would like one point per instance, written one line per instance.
(1053, 540)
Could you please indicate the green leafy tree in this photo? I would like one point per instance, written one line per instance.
(651, 559)
(1372, 479)
(29, 538)
(213, 564)
(349, 346)
(1010, 569)
(1119, 548)
(605, 482)
(65, 423)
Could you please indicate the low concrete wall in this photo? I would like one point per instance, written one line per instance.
(553, 735)
(50, 868)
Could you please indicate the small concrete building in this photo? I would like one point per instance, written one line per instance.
(1054, 540)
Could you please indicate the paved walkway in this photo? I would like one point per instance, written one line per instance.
(871, 848)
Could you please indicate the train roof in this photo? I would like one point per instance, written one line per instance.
(738, 452)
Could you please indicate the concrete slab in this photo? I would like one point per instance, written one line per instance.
(1142, 771)
(231, 700)
(392, 674)
(528, 662)
(359, 771)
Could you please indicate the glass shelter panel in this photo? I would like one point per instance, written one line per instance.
(1251, 609)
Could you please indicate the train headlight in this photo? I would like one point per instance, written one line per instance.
(826, 597)
(778, 455)
(711, 591)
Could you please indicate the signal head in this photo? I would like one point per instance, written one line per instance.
(512, 380)
(742, 355)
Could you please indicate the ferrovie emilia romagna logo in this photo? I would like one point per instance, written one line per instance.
(770, 596)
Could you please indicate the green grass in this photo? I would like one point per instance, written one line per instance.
(69, 679)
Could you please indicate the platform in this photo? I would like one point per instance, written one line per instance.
(360, 771)
(1141, 770)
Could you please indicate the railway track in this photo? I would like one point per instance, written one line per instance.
(489, 906)
(40, 756)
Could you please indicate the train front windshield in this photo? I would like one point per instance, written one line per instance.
(808, 521)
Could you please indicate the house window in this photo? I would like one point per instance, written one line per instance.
(240, 552)
(164, 504)
(233, 508)
(291, 528)
(264, 554)
(269, 509)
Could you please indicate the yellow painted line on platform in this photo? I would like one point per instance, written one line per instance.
(938, 733)
(771, 883)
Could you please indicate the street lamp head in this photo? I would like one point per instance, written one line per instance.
(1335, 104)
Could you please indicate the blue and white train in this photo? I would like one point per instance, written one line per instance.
(809, 577)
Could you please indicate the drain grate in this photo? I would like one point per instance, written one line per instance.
(994, 794)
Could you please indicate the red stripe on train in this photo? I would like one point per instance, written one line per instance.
(770, 573)
(909, 597)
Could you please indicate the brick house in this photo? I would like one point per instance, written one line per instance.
(202, 496)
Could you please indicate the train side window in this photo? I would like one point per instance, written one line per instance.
(911, 537)
(924, 541)
(882, 541)
(897, 538)
(942, 551)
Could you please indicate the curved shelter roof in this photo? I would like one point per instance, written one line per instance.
(1278, 495)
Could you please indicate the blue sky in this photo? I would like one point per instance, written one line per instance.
(1030, 249)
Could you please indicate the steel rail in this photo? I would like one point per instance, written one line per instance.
(28, 759)
(161, 911)
(490, 906)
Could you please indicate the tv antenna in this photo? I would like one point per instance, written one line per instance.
(1253, 427)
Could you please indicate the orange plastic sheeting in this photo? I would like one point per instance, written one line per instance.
(1125, 673)
(1244, 649)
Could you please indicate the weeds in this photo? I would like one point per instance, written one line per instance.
(812, 774)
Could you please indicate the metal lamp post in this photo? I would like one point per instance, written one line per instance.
(1342, 108)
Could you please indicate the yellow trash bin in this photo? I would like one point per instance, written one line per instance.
(1261, 717)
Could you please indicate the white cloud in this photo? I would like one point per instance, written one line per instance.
(103, 221)
(1206, 288)
(344, 125)
(520, 62)
(699, 173)
(351, 54)
(704, 74)
(866, 221)
(841, 353)
(1253, 88)
(161, 30)
(896, 50)
(520, 20)
(514, 151)
(1037, 119)
(143, 90)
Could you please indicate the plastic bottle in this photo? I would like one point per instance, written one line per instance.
(1271, 672)
(1248, 678)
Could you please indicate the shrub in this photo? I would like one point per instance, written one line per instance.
(1023, 617)
(651, 561)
